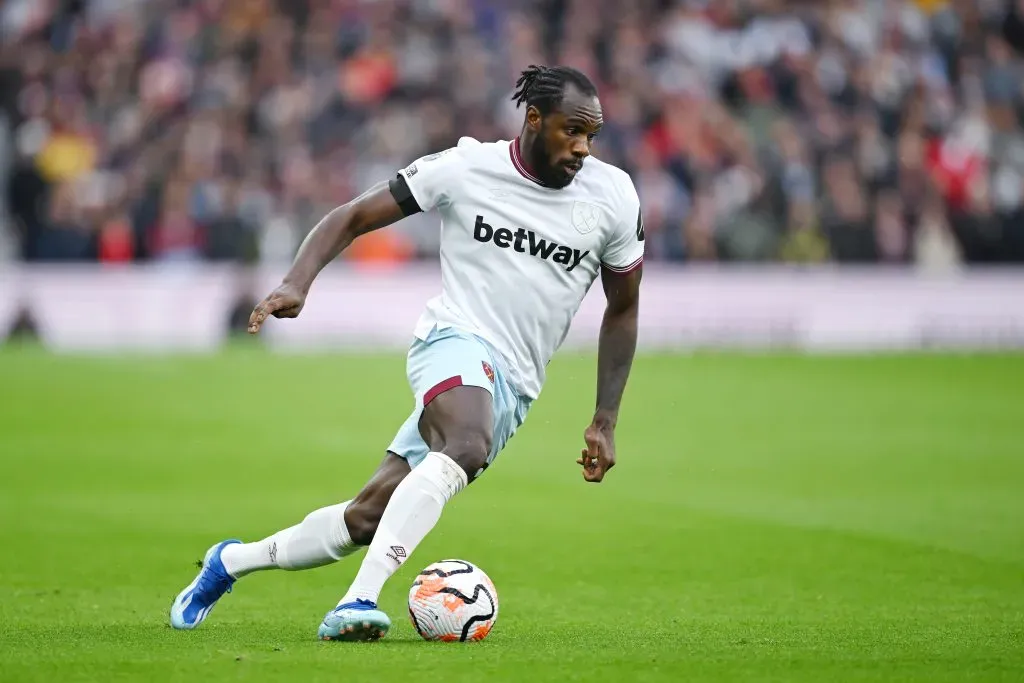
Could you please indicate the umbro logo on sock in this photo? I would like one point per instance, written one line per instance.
(397, 553)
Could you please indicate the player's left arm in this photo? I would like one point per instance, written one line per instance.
(621, 272)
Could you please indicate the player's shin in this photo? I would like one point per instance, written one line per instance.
(415, 507)
(319, 539)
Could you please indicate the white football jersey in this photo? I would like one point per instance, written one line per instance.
(517, 258)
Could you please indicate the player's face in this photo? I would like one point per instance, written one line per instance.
(565, 138)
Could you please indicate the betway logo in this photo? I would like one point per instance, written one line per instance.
(526, 241)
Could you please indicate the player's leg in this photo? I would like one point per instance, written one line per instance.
(364, 513)
(325, 535)
(322, 537)
(457, 426)
(448, 442)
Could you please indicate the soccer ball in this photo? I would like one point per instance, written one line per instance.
(453, 600)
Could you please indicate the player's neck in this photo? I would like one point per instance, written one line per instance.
(520, 145)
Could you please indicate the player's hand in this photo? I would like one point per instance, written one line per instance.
(599, 455)
(284, 302)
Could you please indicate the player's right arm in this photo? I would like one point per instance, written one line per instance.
(420, 187)
(372, 210)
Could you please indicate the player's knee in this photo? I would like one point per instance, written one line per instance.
(362, 520)
(470, 450)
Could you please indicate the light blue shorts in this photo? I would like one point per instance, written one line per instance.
(449, 358)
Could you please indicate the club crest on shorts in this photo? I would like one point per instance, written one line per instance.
(585, 217)
(488, 370)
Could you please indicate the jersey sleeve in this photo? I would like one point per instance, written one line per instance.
(624, 251)
(427, 183)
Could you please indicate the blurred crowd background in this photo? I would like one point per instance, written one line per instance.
(854, 131)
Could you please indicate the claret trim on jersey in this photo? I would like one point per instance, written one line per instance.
(625, 269)
(517, 161)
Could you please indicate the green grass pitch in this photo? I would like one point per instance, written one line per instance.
(772, 518)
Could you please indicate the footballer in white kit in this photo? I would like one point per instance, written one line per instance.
(527, 225)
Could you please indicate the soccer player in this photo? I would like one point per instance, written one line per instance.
(527, 225)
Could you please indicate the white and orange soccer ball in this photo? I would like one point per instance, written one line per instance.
(453, 600)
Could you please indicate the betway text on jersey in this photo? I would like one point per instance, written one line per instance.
(527, 242)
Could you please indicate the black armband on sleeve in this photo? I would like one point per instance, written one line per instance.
(403, 195)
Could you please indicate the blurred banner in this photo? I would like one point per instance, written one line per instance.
(198, 308)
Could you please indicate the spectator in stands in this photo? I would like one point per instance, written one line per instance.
(853, 130)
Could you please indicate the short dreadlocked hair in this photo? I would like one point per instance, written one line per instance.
(544, 86)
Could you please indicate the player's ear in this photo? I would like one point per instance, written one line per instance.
(534, 118)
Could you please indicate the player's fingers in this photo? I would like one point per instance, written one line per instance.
(259, 314)
(592, 469)
(255, 320)
(255, 314)
(589, 465)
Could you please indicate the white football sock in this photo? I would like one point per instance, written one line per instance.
(321, 538)
(414, 509)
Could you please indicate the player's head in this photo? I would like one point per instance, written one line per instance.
(563, 115)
